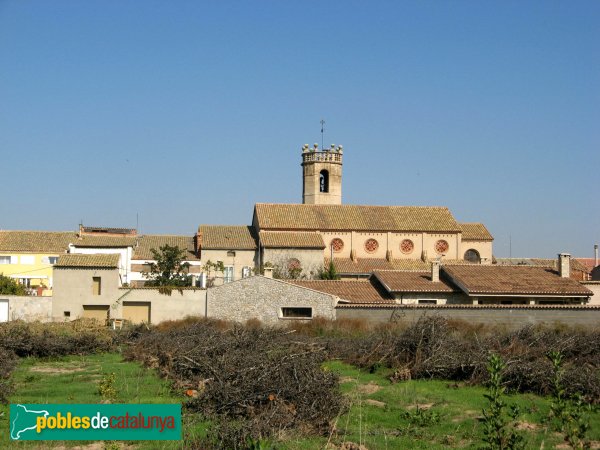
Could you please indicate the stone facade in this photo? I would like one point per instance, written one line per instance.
(263, 299)
(311, 260)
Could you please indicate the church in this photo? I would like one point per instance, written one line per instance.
(299, 240)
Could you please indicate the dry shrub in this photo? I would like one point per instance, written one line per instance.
(54, 339)
(253, 382)
(434, 347)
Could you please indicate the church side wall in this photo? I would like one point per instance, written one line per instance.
(484, 248)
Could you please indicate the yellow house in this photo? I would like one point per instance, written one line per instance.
(28, 256)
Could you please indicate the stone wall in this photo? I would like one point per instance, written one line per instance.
(509, 315)
(262, 298)
(29, 309)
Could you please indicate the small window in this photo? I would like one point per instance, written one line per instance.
(472, 255)
(324, 181)
(427, 302)
(296, 313)
(52, 259)
(228, 274)
(96, 286)
(67, 313)
(246, 271)
(28, 259)
(231, 253)
(4, 259)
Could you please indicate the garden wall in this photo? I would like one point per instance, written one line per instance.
(512, 315)
(27, 308)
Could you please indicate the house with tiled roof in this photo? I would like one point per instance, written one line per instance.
(233, 247)
(460, 284)
(29, 257)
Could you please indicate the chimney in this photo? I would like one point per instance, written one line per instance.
(564, 265)
(596, 255)
(268, 272)
(435, 271)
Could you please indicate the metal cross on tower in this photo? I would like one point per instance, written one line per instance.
(322, 130)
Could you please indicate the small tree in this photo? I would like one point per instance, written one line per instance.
(330, 273)
(209, 267)
(169, 268)
(10, 286)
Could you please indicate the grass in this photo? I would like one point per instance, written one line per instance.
(425, 414)
(414, 414)
(76, 379)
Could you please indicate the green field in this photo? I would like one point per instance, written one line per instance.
(406, 415)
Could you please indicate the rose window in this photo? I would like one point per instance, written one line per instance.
(441, 246)
(293, 264)
(407, 246)
(371, 245)
(337, 244)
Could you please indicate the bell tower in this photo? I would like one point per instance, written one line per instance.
(322, 175)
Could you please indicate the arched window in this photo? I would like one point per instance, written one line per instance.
(472, 256)
(324, 181)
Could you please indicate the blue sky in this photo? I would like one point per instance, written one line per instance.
(185, 113)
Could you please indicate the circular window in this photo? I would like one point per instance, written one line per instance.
(337, 244)
(293, 264)
(441, 246)
(472, 256)
(371, 245)
(407, 246)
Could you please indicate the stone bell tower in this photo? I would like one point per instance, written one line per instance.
(322, 175)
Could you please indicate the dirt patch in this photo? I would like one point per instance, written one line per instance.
(423, 406)
(347, 380)
(97, 446)
(527, 426)
(369, 388)
(375, 403)
(49, 370)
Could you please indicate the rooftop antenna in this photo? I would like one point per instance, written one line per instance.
(322, 131)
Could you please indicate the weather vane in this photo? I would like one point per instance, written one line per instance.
(322, 130)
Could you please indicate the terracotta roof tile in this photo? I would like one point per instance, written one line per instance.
(410, 281)
(291, 239)
(154, 241)
(513, 280)
(364, 266)
(551, 263)
(89, 241)
(475, 232)
(356, 291)
(36, 241)
(102, 261)
(227, 237)
(354, 217)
